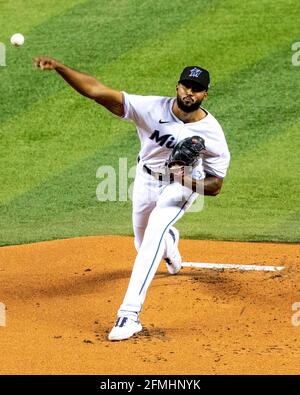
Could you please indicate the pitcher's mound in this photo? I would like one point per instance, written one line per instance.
(61, 299)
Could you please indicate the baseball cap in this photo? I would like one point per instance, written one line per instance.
(196, 74)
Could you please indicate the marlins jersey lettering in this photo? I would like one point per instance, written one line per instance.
(160, 130)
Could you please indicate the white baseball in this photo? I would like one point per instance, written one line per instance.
(17, 39)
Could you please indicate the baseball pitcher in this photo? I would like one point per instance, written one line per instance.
(183, 154)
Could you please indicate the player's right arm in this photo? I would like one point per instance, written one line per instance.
(85, 84)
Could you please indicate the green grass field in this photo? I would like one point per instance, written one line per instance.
(53, 140)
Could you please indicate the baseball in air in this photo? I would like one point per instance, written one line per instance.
(17, 39)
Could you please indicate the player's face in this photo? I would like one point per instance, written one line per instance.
(190, 96)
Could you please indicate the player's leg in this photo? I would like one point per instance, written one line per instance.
(145, 193)
(170, 207)
(172, 255)
(172, 203)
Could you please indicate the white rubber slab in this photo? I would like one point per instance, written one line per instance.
(232, 266)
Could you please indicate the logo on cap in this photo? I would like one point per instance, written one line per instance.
(195, 72)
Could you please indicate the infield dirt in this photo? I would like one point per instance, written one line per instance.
(62, 296)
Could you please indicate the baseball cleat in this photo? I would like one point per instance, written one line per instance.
(173, 260)
(124, 328)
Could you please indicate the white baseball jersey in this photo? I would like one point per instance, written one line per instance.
(160, 130)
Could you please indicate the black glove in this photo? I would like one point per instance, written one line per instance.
(186, 152)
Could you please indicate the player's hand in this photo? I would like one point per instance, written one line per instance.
(177, 173)
(177, 170)
(45, 63)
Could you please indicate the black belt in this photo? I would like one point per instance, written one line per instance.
(158, 176)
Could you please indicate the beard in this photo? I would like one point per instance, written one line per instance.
(190, 107)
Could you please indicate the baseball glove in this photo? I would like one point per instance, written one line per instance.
(186, 152)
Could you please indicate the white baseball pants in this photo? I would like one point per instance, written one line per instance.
(156, 206)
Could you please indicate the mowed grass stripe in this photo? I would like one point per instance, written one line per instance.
(249, 207)
(62, 131)
(90, 36)
(65, 128)
(229, 38)
(45, 139)
(66, 204)
(258, 203)
(227, 97)
(37, 136)
(254, 104)
(23, 15)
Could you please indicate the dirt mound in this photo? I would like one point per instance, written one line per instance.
(62, 296)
